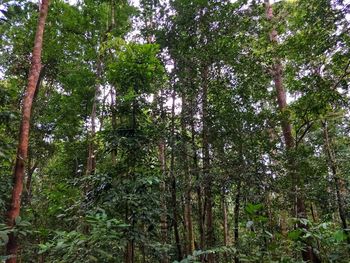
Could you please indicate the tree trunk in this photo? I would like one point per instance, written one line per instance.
(333, 166)
(22, 150)
(163, 217)
(236, 217)
(277, 71)
(91, 161)
(195, 172)
(114, 123)
(129, 257)
(225, 221)
(31, 170)
(188, 180)
(129, 253)
(206, 167)
(173, 182)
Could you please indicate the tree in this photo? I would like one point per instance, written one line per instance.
(22, 151)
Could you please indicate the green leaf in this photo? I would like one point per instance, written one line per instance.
(295, 234)
(339, 236)
(253, 209)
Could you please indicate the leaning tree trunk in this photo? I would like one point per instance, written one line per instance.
(277, 72)
(22, 150)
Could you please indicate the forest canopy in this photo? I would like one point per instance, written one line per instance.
(174, 131)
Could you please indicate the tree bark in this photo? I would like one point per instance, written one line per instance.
(22, 150)
(277, 72)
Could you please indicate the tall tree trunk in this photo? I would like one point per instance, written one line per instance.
(225, 221)
(173, 182)
(112, 14)
(236, 216)
(163, 218)
(333, 166)
(195, 172)
(114, 123)
(163, 167)
(277, 72)
(206, 167)
(129, 254)
(91, 161)
(185, 226)
(22, 150)
(188, 206)
(188, 180)
(113, 92)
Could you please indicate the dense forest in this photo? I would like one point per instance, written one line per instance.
(174, 131)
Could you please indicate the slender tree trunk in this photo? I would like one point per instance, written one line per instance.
(113, 92)
(173, 182)
(333, 166)
(188, 205)
(277, 72)
(188, 181)
(225, 221)
(314, 212)
(206, 167)
(195, 173)
(91, 161)
(236, 217)
(190, 223)
(31, 170)
(185, 226)
(163, 218)
(112, 14)
(22, 150)
(114, 123)
(129, 254)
